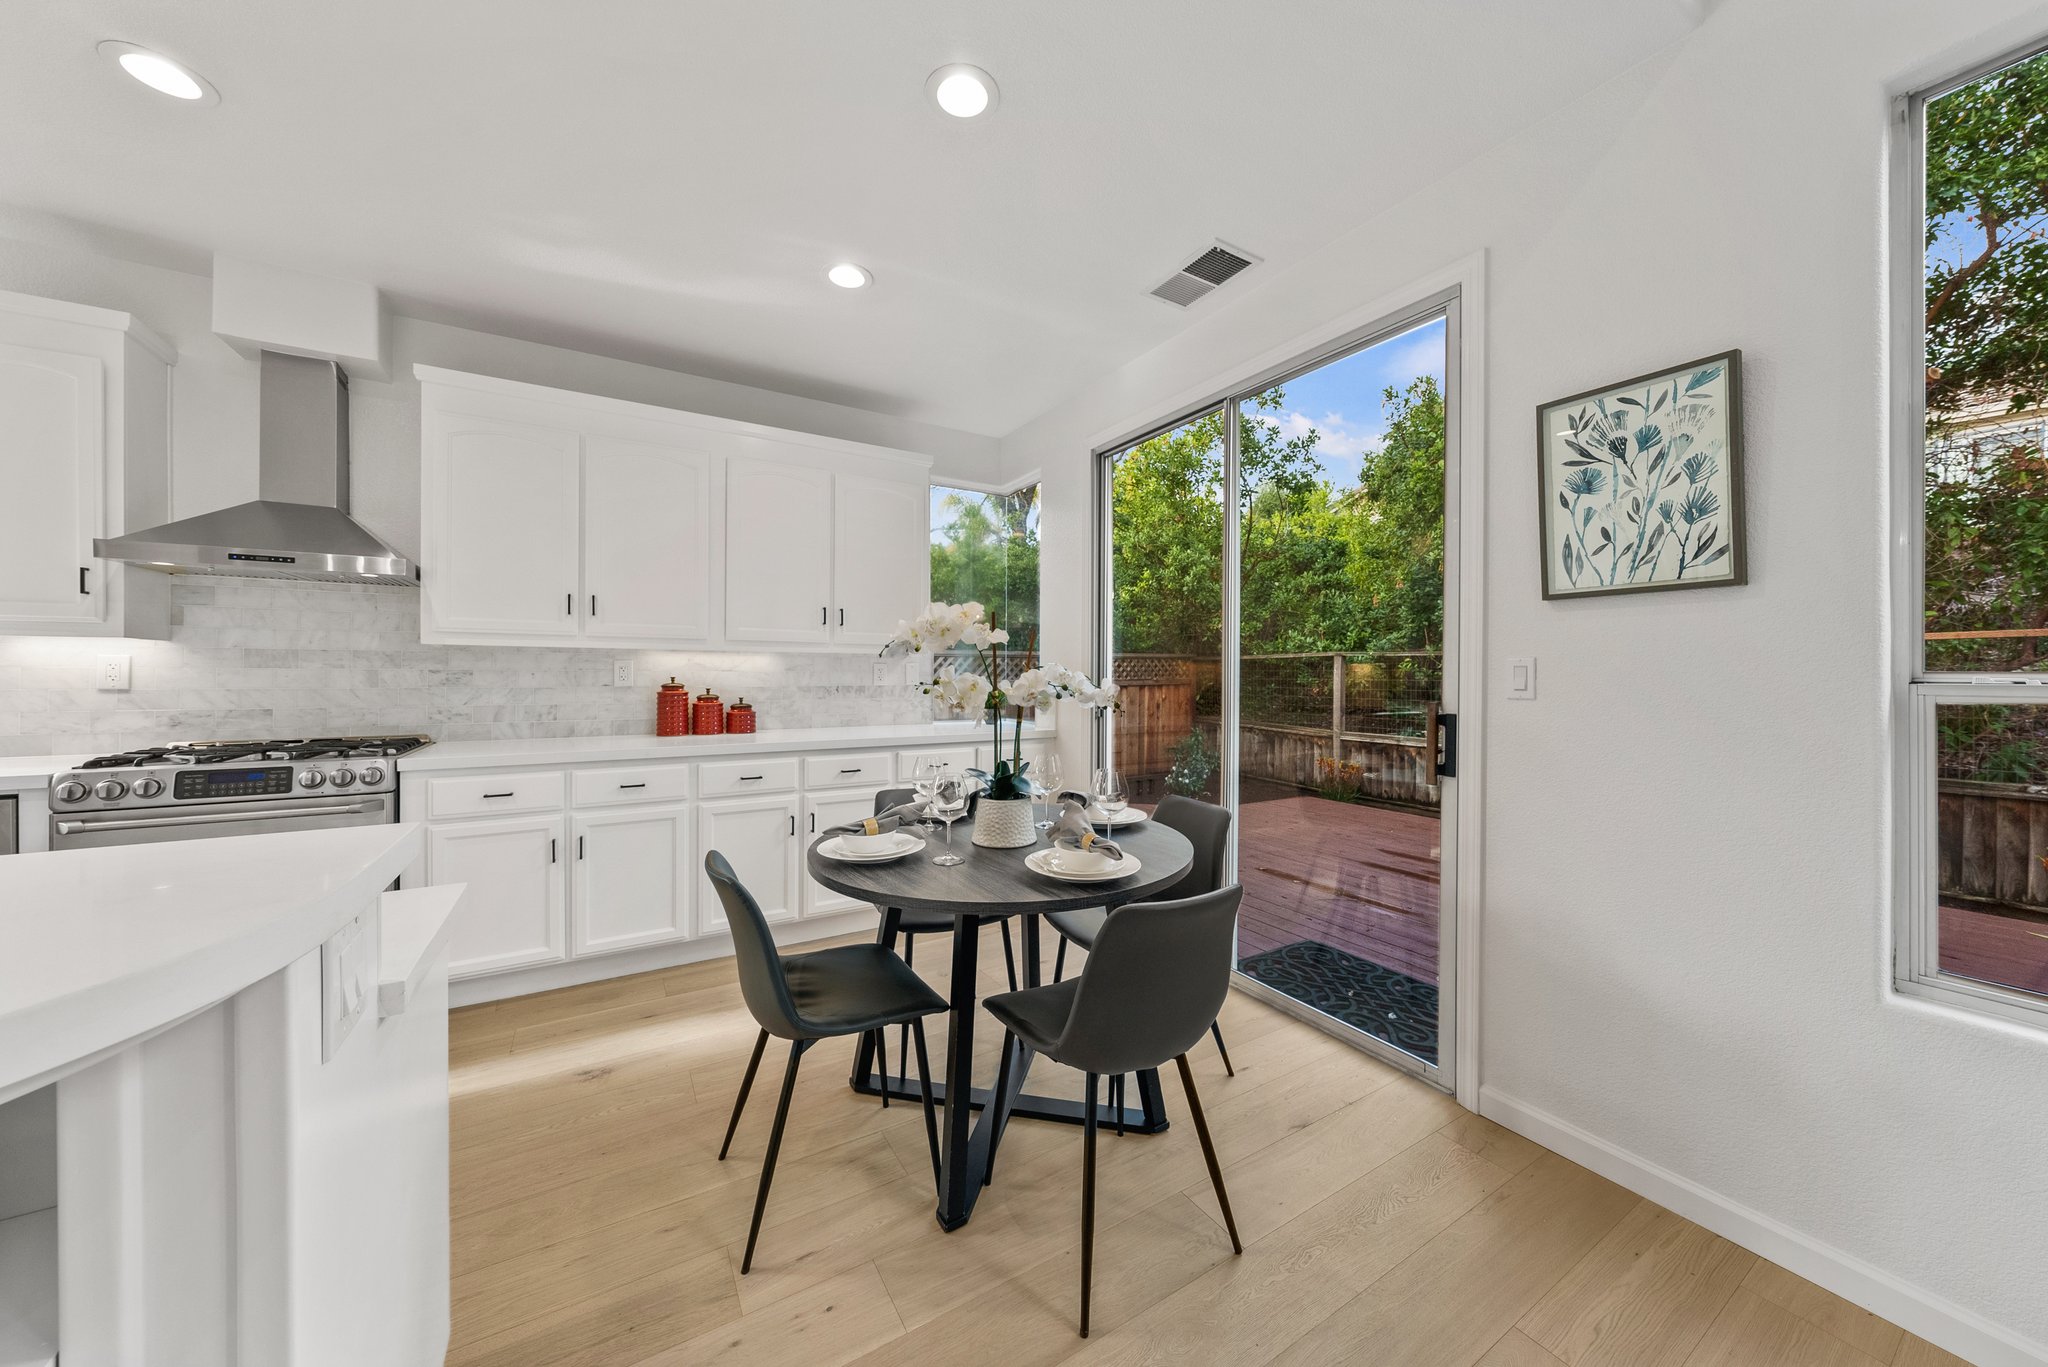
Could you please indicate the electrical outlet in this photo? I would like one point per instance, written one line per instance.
(622, 673)
(346, 984)
(888, 672)
(113, 672)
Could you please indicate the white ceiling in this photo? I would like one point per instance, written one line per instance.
(667, 181)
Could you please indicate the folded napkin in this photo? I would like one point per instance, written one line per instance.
(893, 819)
(1072, 831)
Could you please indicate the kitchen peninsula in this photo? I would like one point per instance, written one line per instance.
(223, 1103)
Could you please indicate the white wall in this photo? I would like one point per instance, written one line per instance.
(1688, 837)
(214, 389)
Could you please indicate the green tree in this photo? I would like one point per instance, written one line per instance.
(986, 551)
(1396, 525)
(1987, 353)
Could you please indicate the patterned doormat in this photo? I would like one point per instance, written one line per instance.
(1383, 1003)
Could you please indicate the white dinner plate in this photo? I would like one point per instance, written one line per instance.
(906, 843)
(1043, 861)
(1129, 816)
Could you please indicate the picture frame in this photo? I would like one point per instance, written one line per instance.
(1639, 483)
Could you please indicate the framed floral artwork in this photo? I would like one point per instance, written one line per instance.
(1641, 483)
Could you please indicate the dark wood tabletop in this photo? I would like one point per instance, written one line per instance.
(996, 882)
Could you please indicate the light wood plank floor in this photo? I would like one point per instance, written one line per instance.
(1382, 1224)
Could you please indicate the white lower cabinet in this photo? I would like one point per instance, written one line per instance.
(821, 814)
(515, 913)
(758, 837)
(632, 885)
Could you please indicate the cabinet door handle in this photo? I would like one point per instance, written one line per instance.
(552, 851)
(752, 778)
(83, 570)
(814, 823)
(792, 823)
(497, 794)
(579, 847)
(632, 785)
(842, 617)
(853, 771)
(593, 605)
(569, 604)
(824, 616)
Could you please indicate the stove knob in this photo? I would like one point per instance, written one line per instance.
(148, 787)
(71, 790)
(312, 778)
(110, 789)
(342, 778)
(371, 775)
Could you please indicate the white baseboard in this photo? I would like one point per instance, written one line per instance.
(1942, 1323)
(519, 982)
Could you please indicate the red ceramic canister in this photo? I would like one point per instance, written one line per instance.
(672, 709)
(739, 718)
(707, 715)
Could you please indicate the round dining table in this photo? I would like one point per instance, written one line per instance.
(992, 884)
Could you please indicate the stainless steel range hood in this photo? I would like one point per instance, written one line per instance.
(299, 528)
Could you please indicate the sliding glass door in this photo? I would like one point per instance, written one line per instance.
(1278, 617)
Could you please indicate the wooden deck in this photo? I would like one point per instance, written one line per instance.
(2010, 949)
(1357, 878)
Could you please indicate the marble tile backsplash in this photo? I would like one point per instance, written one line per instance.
(265, 657)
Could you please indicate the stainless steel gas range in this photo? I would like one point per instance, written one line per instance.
(184, 792)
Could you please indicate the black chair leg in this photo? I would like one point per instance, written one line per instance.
(796, 1053)
(995, 1101)
(746, 1085)
(1187, 1082)
(903, 1039)
(1216, 1029)
(882, 1054)
(1116, 1099)
(1059, 960)
(1087, 1203)
(1009, 953)
(924, 1082)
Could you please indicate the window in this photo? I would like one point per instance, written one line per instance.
(985, 550)
(1973, 492)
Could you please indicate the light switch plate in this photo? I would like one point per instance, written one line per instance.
(622, 673)
(113, 673)
(346, 963)
(1522, 678)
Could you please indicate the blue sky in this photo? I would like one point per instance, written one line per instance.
(1342, 400)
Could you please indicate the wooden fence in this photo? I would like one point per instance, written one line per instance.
(1993, 840)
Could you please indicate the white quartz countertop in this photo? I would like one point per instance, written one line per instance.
(543, 752)
(99, 947)
(18, 772)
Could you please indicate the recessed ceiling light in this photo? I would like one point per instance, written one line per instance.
(961, 90)
(160, 73)
(848, 276)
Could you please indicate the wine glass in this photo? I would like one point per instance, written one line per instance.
(1109, 795)
(926, 778)
(1047, 786)
(949, 804)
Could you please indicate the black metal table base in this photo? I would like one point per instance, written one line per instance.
(964, 1142)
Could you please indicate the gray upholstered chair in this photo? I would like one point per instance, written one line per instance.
(1207, 828)
(803, 998)
(1151, 987)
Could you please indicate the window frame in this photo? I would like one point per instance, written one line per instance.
(1018, 486)
(1915, 692)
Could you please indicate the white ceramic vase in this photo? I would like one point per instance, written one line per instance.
(1004, 824)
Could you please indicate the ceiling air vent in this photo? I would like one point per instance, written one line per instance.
(1203, 274)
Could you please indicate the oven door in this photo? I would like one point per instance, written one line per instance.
(96, 829)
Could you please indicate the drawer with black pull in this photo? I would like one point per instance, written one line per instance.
(641, 783)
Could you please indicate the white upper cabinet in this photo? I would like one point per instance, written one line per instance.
(556, 518)
(881, 556)
(778, 552)
(507, 556)
(646, 541)
(84, 396)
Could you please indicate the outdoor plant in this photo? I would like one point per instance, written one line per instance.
(970, 679)
(1195, 763)
(1338, 780)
